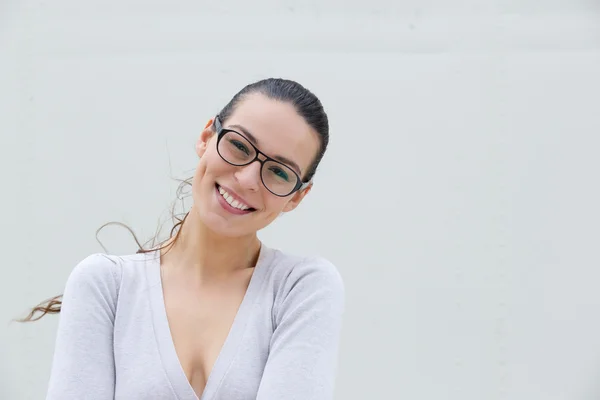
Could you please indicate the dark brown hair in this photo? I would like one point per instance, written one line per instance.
(306, 104)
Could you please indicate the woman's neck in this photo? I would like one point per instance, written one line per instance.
(207, 255)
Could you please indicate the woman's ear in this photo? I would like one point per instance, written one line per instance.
(205, 136)
(297, 198)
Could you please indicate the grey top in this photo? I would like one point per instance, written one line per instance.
(114, 341)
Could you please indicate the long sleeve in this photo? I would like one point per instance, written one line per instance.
(302, 360)
(83, 363)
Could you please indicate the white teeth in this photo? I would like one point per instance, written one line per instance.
(232, 202)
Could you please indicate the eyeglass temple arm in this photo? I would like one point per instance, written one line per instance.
(305, 184)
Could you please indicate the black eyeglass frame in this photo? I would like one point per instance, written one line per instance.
(221, 131)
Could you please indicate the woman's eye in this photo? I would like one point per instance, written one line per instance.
(280, 173)
(240, 146)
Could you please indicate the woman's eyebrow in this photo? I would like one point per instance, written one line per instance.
(255, 141)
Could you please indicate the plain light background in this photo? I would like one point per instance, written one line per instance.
(459, 199)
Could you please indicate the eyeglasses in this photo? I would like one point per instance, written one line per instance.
(235, 149)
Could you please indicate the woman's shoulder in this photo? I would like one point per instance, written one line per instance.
(306, 285)
(101, 269)
(315, 272)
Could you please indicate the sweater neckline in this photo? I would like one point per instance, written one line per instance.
(166, 347)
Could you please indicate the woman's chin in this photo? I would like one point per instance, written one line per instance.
(222, 225)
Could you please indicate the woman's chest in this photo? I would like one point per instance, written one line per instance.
(161, 357)
(150, 370)
(200, 326)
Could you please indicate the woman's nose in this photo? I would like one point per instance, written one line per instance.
(249, 176)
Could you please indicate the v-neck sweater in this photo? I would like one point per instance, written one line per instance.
(114, 341)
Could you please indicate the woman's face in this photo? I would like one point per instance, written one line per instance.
(281, 134)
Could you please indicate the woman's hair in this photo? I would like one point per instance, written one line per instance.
(307, 105)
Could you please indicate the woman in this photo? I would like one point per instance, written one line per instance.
(212, 313)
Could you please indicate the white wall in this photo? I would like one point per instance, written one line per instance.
(462, 213)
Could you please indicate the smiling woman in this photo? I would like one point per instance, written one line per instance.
(212, 312)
